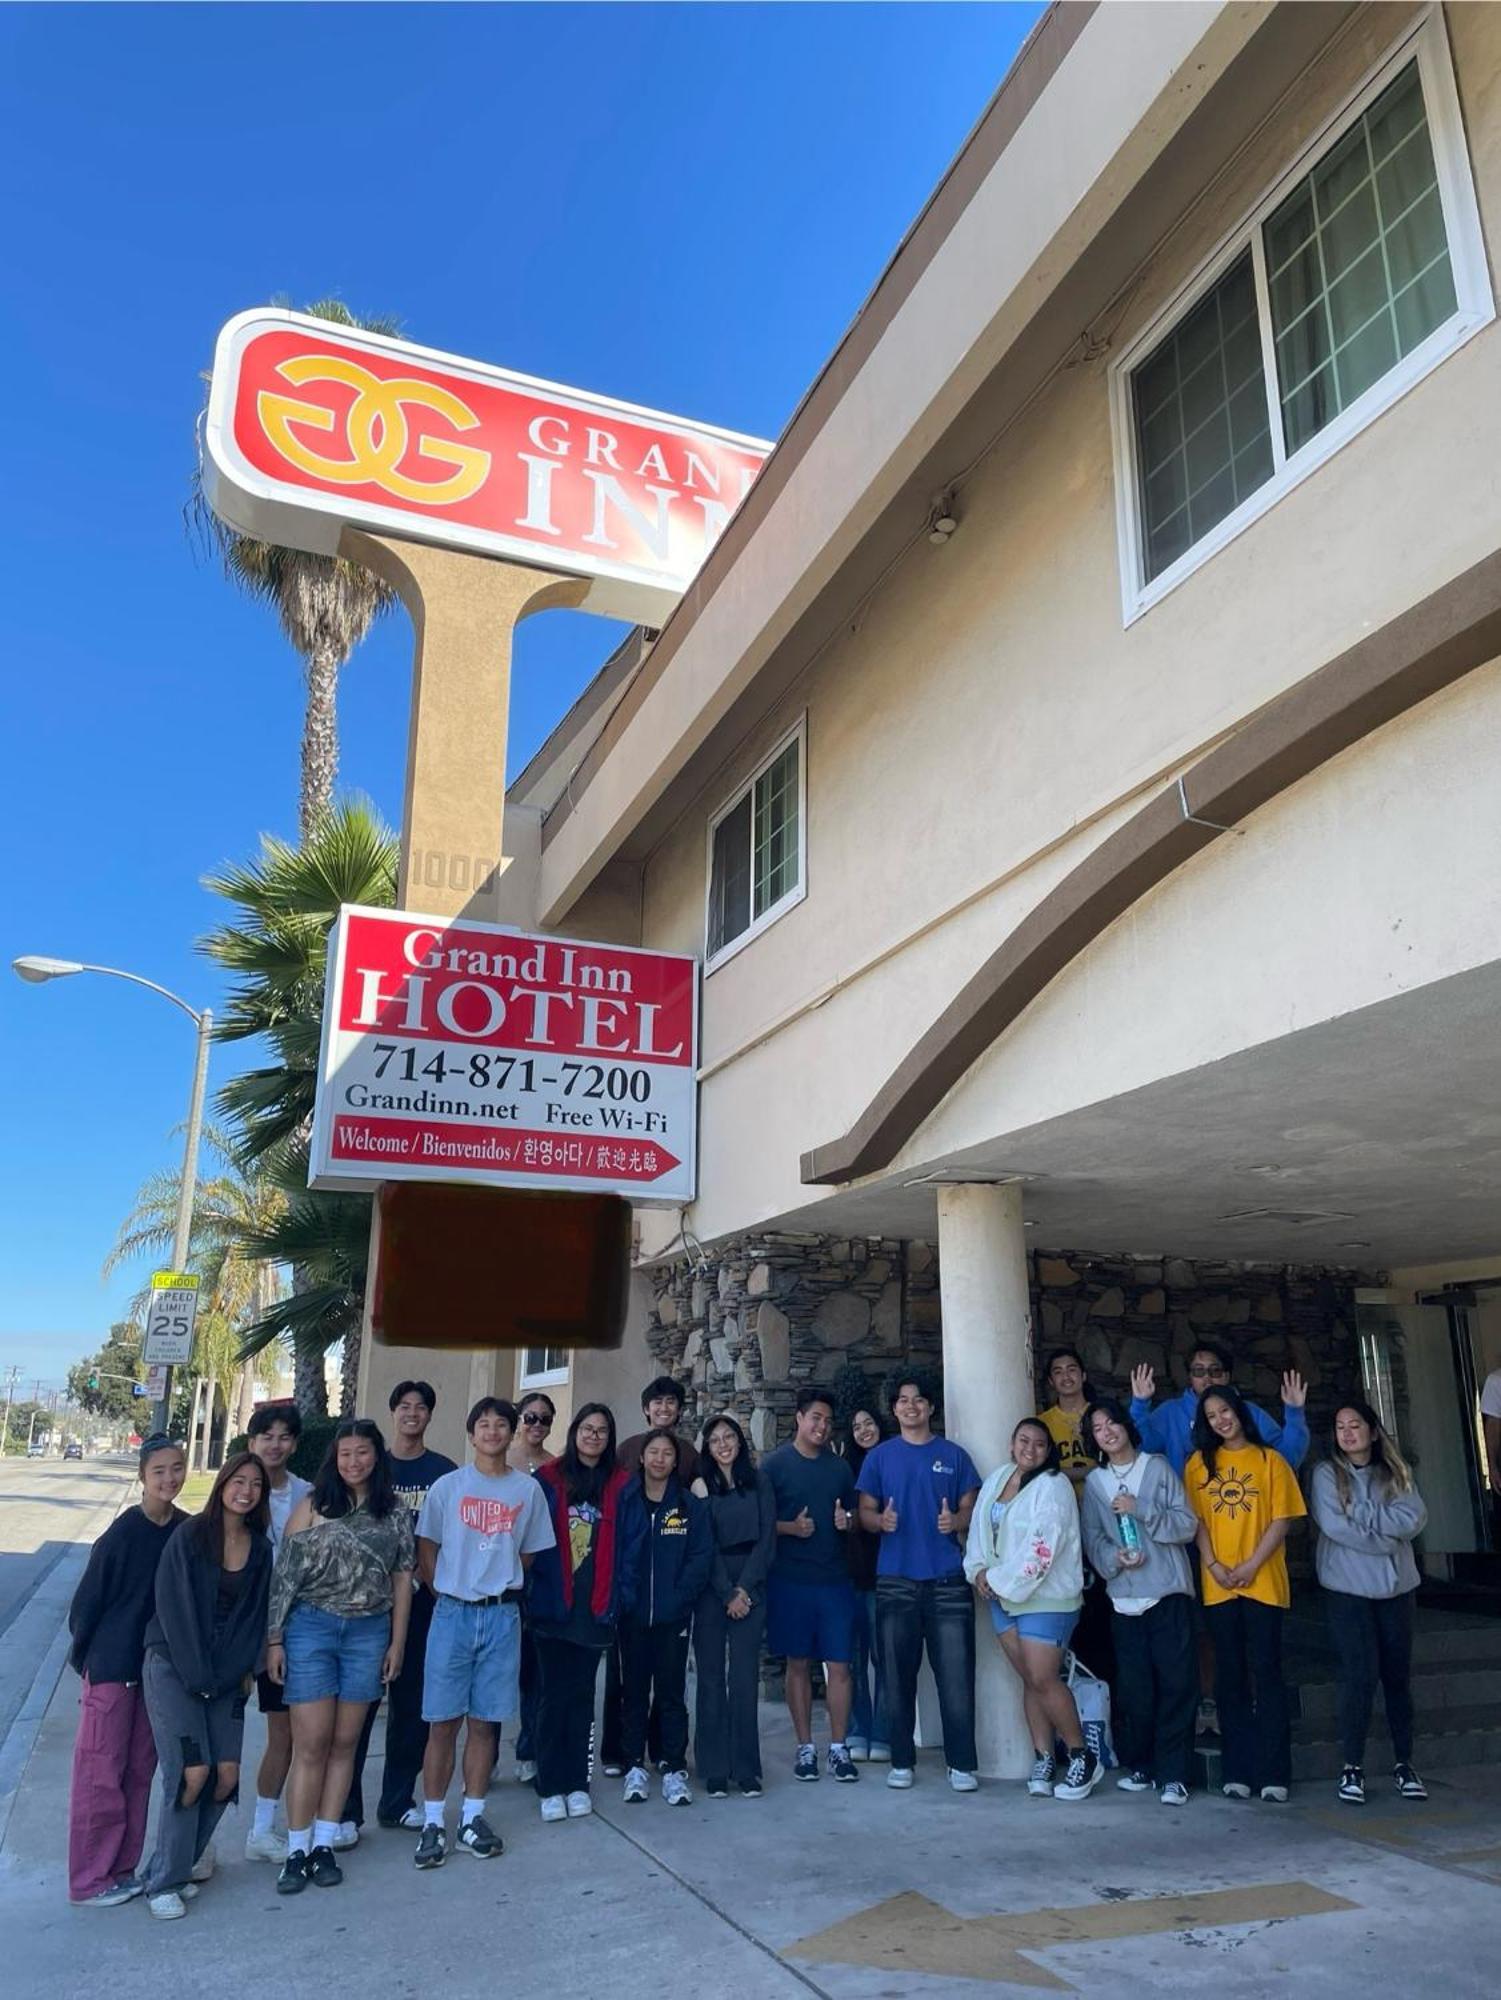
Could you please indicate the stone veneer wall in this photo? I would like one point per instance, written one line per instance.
(763, 1314)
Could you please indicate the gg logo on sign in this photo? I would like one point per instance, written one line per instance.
(376, 431)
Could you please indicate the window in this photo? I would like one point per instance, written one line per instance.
(756, 849)
(542, 1365)
(1356, 275)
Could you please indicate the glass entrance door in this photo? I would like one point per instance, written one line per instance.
(1418, 1365)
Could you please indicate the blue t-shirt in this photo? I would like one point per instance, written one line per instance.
(919, 1478)
(814, 1483)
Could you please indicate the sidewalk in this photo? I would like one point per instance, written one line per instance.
(857, 1893)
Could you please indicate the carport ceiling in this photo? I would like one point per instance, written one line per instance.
(1382, 1129)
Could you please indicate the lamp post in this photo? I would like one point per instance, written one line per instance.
(37, 971)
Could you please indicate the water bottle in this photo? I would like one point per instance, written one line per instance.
(1129, 1533)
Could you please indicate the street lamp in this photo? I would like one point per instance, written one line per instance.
(37, 971)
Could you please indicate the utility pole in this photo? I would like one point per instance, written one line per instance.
(13, 1374)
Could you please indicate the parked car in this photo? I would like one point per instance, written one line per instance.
(36, 1451)
(73, 1449)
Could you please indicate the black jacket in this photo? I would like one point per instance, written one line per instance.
(187, 1587)
(742, 1522)
(675, 1555)
(115, 1597)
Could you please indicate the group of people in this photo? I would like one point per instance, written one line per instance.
(1148, 1539)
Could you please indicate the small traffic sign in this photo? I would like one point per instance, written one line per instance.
(169, 1319)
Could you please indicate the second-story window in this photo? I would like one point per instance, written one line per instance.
(1354, 277)
(756, 851)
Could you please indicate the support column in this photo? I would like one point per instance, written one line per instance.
(987, 1389)
(464, 610)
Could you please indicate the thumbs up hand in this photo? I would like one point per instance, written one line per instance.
(803, 1524)
(948, 1520)
(888, 1518)
(842, 1517)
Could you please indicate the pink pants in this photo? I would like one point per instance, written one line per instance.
(114, 1760)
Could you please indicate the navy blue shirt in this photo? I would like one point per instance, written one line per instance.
(814, 1483)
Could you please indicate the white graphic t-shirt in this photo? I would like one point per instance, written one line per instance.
(282, 1500)
(483, 1527)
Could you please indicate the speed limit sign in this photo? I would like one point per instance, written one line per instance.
(169, 1319)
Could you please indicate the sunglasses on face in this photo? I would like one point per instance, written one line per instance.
(1214, 1374)
(536, 1417)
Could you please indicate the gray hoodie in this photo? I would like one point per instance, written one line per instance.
(1365, 1550)
(1167, 1523)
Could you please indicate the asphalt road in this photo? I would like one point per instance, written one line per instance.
(50, 1512)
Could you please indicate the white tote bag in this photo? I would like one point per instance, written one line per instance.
(1092, 1699)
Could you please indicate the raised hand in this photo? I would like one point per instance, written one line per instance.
(1143, 1382)
(803, 1525)
(1294, 1390)
(948, 1520)
(888, 1518)
(842, 1517)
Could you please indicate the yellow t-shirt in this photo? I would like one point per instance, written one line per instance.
(1067, 1433)
(1251, 1488)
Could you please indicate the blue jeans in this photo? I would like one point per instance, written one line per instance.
(473, 1662)
(869, 1722)
(330, 1656)
(937, 1613)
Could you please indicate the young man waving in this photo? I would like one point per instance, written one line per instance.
(479, 1529)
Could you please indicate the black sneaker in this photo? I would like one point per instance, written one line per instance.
(478, 1837)
(717, 1788)
(1409, 1784)
(1040, 1783)
(806, 1766)
(1352, 1785)
(1081, 1777)
(323, 1871)
(750, 1788)
(842, 1768)
(293, 1878)
(432, 1848)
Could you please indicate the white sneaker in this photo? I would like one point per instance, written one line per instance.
(168, 1905)
(858, 1748)
(676, 1790)
(348, 1836)
(413, 1819)
(1275, 1795)
(1236, 1790)
(637, 1786)
(880, 1753)
(963, 1781)
(526, 1770)
(555, 1807)
(1175, 1795)
(270, 1846)
(579, 1805)
(188, 1890)
(899, 1778)
(203, 1868)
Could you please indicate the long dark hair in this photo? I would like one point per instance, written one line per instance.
(332, 1498)
(1052, 1463)
(1204, 1439)
(849, 1448)
(1118, 1414)
(742, 1477)
(1386, 1455)
(585, 1482)
(207, 1528)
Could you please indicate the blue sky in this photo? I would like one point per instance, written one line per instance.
(680, 206)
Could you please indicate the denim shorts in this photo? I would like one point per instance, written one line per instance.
(328, 1655)
(473, 1662)
(1052, 1628)
(810, 1621)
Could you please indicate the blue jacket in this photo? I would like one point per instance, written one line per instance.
(677, 1552)
(1169, 1429)
(617, 1553)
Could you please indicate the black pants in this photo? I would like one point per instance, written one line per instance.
(727, 1728)
(939, 1614)
(530, 1688)
(611, 1747)
(654, 1673)
(565, 1715)
(1093, 1639)
(1255, 1729)
(406, 1732)
(1373, 1638)
(1157, 1689)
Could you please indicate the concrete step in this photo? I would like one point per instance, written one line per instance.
(1467, 1641)
(1435, 1691)
(1467, 1736)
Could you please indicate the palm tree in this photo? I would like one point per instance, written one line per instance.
(287, 901)
(326, 606)
(230, 1209)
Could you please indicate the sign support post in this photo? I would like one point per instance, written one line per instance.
(464, 611)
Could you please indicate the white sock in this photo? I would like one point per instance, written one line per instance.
(325, 1832)
(470, 1809)
(265, 1814)
(836, 1746)
(806, 1746)
(299, 1841)
(432, 1812)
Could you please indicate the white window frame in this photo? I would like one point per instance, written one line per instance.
(545, 1378)
(1475, 308)
(798, 734)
